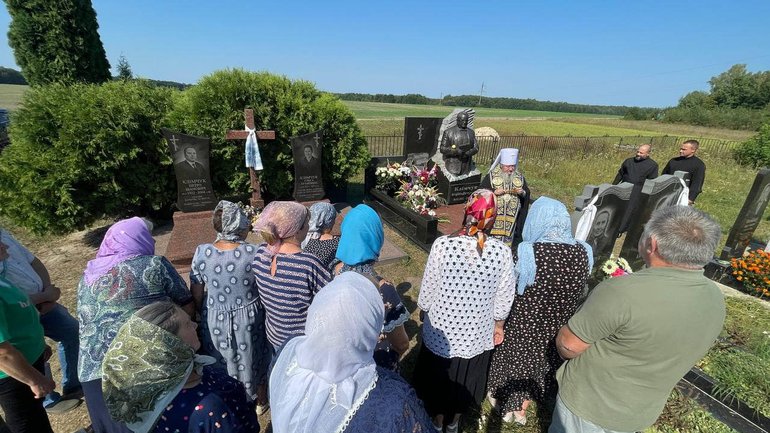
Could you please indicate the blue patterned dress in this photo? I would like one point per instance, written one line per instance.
(232, 318)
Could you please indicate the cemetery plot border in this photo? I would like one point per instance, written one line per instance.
(422, 230)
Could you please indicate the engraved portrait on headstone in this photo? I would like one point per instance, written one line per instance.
(608, 207)
(308, 154)
(191, 166)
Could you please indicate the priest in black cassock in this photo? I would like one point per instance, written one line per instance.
(687, 161)
(636, 170)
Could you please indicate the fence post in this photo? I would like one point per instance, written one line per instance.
(585, 149)
(620, 142)
(545, 142)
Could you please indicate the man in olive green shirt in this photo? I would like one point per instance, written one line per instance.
(637, 335)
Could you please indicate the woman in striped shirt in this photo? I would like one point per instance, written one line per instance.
(287, 278)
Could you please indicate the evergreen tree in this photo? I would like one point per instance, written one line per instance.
(124, 69)
(57, 41)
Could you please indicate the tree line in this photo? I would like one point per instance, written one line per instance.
(490, 102)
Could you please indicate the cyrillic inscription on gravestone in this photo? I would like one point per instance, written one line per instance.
(308, 157)
(191, 165)
(421, 134)
(749, 216)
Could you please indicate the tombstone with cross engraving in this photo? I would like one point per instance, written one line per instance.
(308, 175)
(191, 165)
(421, 135)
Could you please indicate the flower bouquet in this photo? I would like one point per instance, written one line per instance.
(753, 271)
(419, 192)
(615, 267)
(389, 178)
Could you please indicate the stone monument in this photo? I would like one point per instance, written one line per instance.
(308, 175)
(749, 217)
(610, 202)
(421, 135)
(458, 175)
(191, 165)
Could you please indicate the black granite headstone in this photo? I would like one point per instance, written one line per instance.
(457, 191)
(421, 134)
(611, 202)
(191, 165)
(308, 179)
(663, 191)
(749, 216)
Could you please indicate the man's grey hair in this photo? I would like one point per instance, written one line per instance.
(686, 237)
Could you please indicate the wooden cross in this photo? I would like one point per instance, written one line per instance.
(256, 196)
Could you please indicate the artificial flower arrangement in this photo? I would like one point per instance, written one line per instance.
(251, 212)
(419, 191)
(753, 271)
(615, 267)
(389, 178)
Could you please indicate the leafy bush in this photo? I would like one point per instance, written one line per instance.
(81, 151)
(215, 105)
(755, 152)
(730, 118)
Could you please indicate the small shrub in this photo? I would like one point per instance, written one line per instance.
(82, 151)
(755, 152)
(753, 271)
(215, 105)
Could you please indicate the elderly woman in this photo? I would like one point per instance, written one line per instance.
(124, 277)
(287, 277)
(552, 268)
(154, 382)
(319, 240)
(225, 292)
(23, 353)
(327, 381)
(466, 295)
(362, 239)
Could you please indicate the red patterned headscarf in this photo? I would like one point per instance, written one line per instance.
(480, 214)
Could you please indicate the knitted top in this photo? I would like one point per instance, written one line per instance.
(464, 294)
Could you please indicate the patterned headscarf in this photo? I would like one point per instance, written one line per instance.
(480, 214)
(143, 371)
(281, 220)
(547, 222)
(234, 222)
(322, 217)
(125, 240)
(362, 236)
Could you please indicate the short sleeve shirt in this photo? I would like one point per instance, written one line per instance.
(646, 331)
(19, 323)
(17, 267)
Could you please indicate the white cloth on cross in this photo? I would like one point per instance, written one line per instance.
(253, 159)
(684, 196)
(586, 220)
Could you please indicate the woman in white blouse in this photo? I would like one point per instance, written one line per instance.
(466, 294)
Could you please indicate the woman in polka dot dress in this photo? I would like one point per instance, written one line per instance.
(224, 288)
(552, 269)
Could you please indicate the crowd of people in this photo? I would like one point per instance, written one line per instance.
(304, 326)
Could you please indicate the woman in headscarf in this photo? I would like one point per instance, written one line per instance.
(287, 278)
(124, 277)
(360, 244)
(552, 269)
(23, 354)
(327, 381)
(225, 292)
(319, 240)
(466, 294)
(154, 381)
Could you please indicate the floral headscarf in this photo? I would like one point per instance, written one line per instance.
(234, 221)
(125, 240)
(281, 220)
(143, 371)
(322, 217)
(480, 214)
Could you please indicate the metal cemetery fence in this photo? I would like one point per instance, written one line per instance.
(543, 147)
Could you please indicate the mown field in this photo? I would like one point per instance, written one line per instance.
(10, 95)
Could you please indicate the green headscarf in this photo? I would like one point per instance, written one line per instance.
(143, 370)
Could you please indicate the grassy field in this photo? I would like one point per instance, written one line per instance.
(10, 95)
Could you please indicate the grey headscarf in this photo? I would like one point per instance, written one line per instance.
(234, 222)
(322, 217)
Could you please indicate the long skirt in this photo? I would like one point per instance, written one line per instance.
(448, 386)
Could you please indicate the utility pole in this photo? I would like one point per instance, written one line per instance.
(481, 92)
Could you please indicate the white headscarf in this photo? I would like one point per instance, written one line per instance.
(507, 156)
(321, 378)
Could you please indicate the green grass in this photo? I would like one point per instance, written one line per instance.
(379, 110)
(10, 95)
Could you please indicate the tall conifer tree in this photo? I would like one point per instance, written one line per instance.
(57, 41)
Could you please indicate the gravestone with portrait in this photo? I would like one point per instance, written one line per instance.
(610, 202)
(421, 135)
(191, 166)
(308, 157)
(458, 176)
(663, 191)
(749, 217)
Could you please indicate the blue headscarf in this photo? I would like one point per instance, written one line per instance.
(547, 222)
(362, 236)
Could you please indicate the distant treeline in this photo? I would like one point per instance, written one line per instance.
(12, 76)
(491, 102)
(738, 99)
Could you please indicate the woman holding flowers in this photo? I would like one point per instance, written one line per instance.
(552, 269)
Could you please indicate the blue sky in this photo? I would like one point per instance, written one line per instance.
(646, 53)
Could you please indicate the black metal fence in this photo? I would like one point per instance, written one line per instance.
(544, 147)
